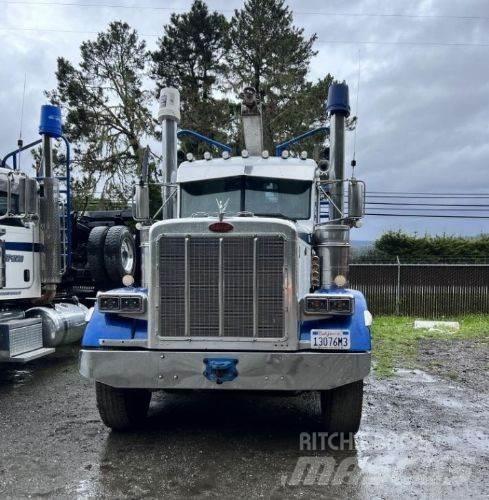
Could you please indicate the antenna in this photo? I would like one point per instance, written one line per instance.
(20, 141)
(354, 161)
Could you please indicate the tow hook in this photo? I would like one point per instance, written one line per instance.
(220, 370)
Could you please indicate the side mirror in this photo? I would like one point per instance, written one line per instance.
(28, 196)
(141, 203)
(356, 199)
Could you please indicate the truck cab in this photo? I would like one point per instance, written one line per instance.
(244, 288)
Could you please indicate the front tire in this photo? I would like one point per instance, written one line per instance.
(341, 408)
(122, 409)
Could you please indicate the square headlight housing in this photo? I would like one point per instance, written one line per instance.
(123, 303)
(319, 304)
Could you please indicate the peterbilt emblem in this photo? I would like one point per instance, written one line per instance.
(221, 227)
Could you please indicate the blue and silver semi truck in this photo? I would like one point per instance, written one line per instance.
(244, 283)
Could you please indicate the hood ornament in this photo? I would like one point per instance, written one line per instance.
(221, 207)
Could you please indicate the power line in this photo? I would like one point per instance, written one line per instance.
(458, 193)
(434, 197)
(391, 203)
(429, 216)
(319, 42)
(399, 42)
(295, 12)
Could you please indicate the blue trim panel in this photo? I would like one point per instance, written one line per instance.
(360, 336)
(17, 246)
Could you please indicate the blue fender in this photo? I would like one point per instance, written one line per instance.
(360, 336)
(113, 326)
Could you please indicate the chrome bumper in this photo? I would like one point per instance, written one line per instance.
(296, 371)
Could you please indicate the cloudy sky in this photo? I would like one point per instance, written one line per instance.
(424, 86)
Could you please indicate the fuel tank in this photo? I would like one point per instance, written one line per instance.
(63, 323)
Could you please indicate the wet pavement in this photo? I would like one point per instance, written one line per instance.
(421, 436)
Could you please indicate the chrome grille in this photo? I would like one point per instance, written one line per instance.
(230, 286)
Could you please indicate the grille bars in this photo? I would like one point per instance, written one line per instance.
(227, 287)
(255, 288)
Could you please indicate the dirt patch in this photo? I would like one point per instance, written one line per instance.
(464, 361)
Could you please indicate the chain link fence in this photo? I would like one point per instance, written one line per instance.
(427, 290)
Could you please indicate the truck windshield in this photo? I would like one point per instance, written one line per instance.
(285, 198)
(14, 203)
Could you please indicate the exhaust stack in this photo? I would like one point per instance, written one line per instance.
(332, 240)
(169, 116)
(338, 107)
(50, 127)
(252, 122)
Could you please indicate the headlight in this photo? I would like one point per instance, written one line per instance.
(317, 305)
(341, 306)
(108, 303)
(328, 305)
(131, 304)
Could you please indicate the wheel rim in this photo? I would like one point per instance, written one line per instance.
(127, 257)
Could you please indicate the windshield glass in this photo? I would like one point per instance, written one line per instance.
(14, 203)
(289, 199)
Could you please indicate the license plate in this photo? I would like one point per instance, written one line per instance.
(330, 339)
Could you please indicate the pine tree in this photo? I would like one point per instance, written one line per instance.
(107, 110)
(190, 57)
(271, 54)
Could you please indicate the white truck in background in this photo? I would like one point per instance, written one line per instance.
(34, 318)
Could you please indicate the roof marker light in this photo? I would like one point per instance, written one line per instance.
(285, 154)
(207, 156)
(265, 154)
(225, 155)
(304, 155)
(244, 153)
(190, 157)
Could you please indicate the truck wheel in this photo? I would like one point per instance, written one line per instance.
(120, 253)
(95, 256)
(121, 409)
(341, 408)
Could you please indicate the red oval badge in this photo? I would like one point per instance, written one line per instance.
(221, 227)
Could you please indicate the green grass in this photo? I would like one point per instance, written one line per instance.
(395, 342)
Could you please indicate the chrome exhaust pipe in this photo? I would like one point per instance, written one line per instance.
(338, 108)
(169, 116)
(50, 221)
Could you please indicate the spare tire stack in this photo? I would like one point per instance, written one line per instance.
(111, 254)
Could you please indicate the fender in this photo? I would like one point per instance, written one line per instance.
(356, 323)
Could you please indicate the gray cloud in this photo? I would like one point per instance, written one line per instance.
(422, 109)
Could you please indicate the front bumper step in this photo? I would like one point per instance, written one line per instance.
(292, 371)
(25, 357)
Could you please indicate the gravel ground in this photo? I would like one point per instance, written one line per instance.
(422, 436)
(464, 361)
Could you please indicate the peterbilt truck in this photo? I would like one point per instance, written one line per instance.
(244, 282)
